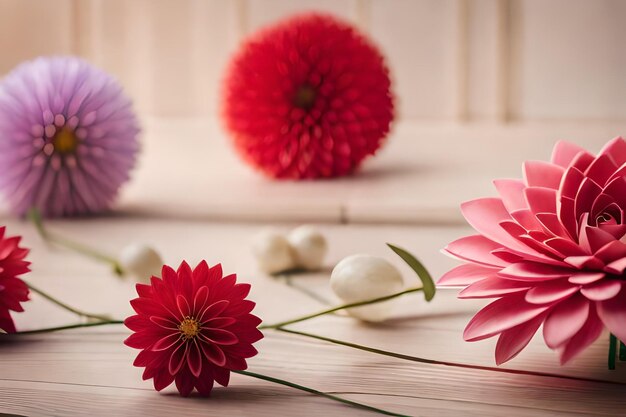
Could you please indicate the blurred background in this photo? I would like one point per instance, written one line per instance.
(453, 60)
(481, 85)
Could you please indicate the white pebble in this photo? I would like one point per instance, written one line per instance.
(141, 262)
(309, 247)
(364, 277)
(272, 252)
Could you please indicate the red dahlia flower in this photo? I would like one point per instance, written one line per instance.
(192, 327)
(13, 290)
(308, 97)
(552, 250)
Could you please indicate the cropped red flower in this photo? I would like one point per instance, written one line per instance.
(308, 97)
(552, 250)
(192, 327)
(13, 290)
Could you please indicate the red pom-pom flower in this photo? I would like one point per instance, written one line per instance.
(308, 98)
(193, 327)
(13, 290)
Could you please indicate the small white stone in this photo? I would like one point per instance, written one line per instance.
(364, 277)
(272, 252)
(309, 247)
(141, 262)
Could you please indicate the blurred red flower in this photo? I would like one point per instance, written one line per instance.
(192, 327)
(13, 290)
(308, 97)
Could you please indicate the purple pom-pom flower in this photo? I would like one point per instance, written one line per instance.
(68, 137)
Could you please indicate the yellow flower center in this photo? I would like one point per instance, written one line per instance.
(189, 328)
(305, 97)
(65, 141)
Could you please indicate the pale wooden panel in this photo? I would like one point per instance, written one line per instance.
(29, 28)
(485, 61)
(419, 37)
(170, 56)
(570, 59)
(259, 13)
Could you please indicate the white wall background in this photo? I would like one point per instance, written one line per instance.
(453, 60)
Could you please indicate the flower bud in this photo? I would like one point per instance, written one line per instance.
(140, 262)
(272, 252)
(364, 277)
(309, 247)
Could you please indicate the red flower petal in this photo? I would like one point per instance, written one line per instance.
(183, 324)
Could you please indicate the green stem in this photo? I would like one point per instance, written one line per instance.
(68, 327)
(612, 351)
(320, 393)
(341, 307)
(35, 217)
(622, 351)
(444, 363)
(66, 306)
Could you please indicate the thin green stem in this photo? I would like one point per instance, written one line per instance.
(66, 306)
(68, 327)
(622, 351)
(338, 308)
(319, 393)
(93, 253)
(438, 362)
(612, 351)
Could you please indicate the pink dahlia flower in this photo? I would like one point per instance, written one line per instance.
(193, 327)
(551, 250)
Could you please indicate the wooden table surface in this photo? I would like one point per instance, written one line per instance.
(89, 372)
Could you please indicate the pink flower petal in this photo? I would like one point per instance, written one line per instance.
(541, 200)
(551, 291)
(567, 215)
(493, 287)
(512, 194)
(601, 169)
(501, 315)
(543, 174)
(564, 246)
(533, 271)
(586, 277)
(465, 274)
(593, 238)
(484, 215)
(616, 149)
(616, 267)
(587, 194)
(565, 320)
(475, 249)
(526, 219)
(551, 222)
(512, 341)
(602, 290)
(611, 251)
(585, 262)
(564, 153)
(613, 314)
(588, 334)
